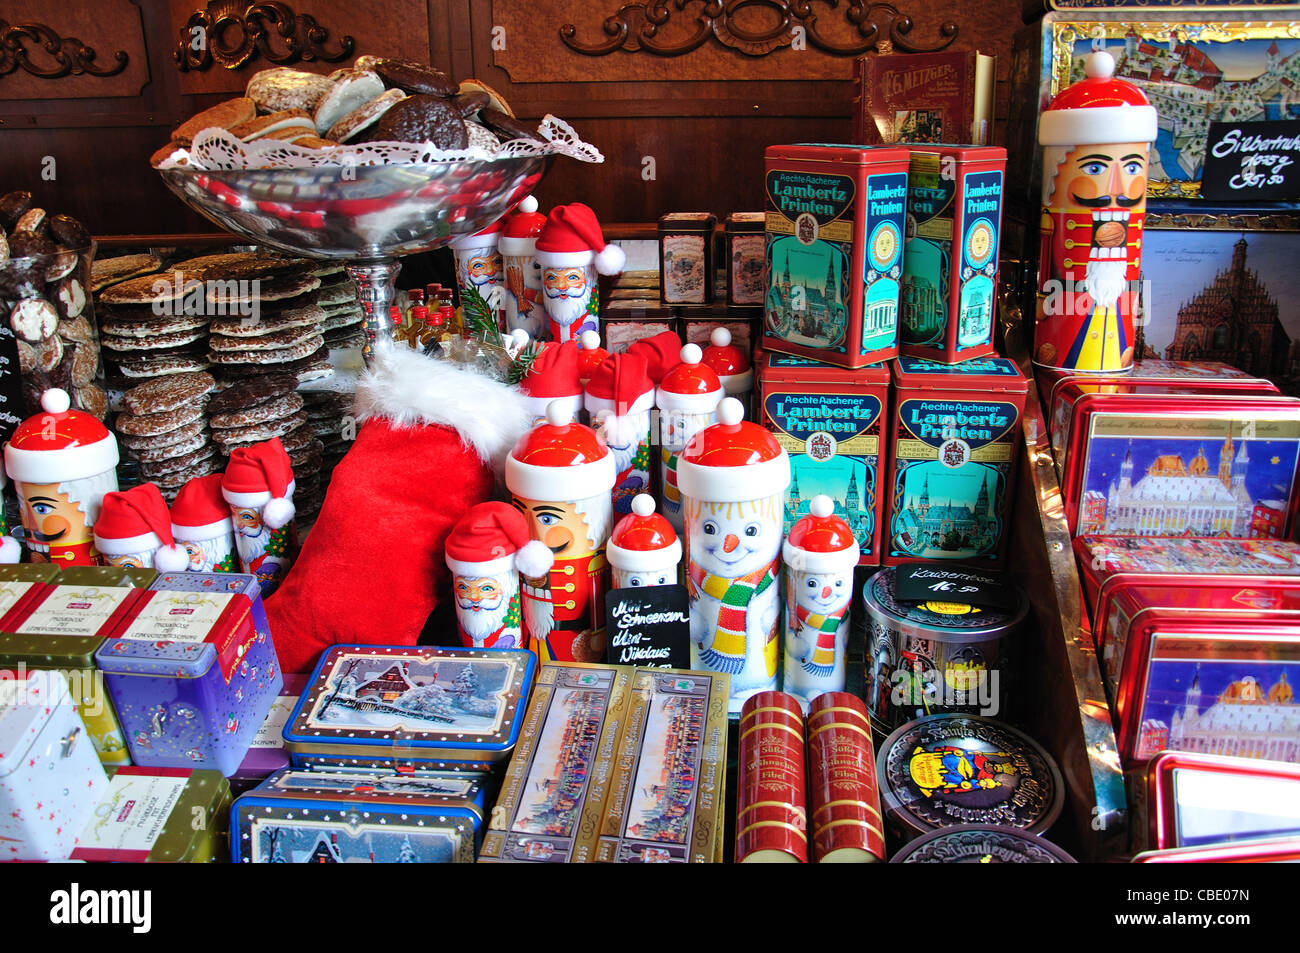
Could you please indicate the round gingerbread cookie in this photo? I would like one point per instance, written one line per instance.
(242, 436)
(424, 118)
(150, 425)
(171, 451)
(266, 412)
(172, 392)
(416, 77)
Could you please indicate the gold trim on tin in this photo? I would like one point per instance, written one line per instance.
(770, 724)
(873, 811)
(822, 828)
(851, 711)
(840, 724)
(785, 804)
(802, 834)
(784, 711)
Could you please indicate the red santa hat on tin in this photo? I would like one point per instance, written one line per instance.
(820, 541)
(733, 461)
(1098, 109)
(590, 354)
(261, 477)
(519, 229)
(59, 444)
(619, 390)
(554, 375)
(201, 511)
(690, 387)
(662, 352)
(643, 541)
(572, 237)
(136, 521)
(483, 238)
(560, 460)
(492, 539)
(729, 362)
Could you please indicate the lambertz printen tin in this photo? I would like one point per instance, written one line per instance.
(411, 705)
(832, 422)
(936, 655)
(953, 434)
(835, 218)
(944, 770)
(1171, 461)
(340, 816)
(158, 815)
(981, 844)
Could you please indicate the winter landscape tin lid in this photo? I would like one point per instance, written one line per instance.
(413, 697)
(443, 788)
(957, 621)
(944, 770)
(981, 844)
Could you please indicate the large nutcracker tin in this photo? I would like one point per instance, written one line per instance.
(1196, 800)
(927, 657)
(158, 815)
(667, 792)
(341, 816)
(1172, 461)
(61, 626)
(950, 260)
(411, 705)
(551, 804)
(192, 673)
(944, 770)
(1205, 669)
(50, 777)
(835, 217)
(831, 421)
(953, 434)
(981, 844)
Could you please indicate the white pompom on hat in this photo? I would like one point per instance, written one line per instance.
(572, 237)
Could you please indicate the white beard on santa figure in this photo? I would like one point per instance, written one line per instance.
(482, 603)
(567, 309)
(726, 541)
(1105, 281)
(206, 554)
(811, 670)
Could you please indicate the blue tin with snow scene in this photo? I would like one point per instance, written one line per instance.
(342, 816)
(411, 707)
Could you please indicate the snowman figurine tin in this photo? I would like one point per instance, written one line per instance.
(733, 477)
(820, 554)
(644, 549)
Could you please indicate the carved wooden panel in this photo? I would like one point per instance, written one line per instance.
(316, 35)
(60, 49)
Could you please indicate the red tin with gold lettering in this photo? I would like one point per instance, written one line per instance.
(843, 790)
(771, 812)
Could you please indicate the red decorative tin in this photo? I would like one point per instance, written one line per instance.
(844, 792)
(1205, 669)
(1196, 800)
(1172, 461)
(1282, 850)
(771, 815)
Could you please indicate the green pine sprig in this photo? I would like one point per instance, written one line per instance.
(522, 364)
(480, 319)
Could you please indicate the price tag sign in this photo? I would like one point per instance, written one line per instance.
(11, 390)
(923, 582)
(1252, 161)
(648, 626)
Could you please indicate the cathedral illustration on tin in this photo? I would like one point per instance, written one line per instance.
(809, 478)
(946, 512)
(821, 271)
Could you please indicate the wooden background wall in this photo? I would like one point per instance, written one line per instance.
(81, 141)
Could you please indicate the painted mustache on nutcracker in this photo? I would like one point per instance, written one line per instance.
(1106, 201)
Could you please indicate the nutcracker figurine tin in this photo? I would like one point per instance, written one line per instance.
(50, 777)
(953, 434)
(414, 705)
(158, 815)
(1096, 135)
(832, 422)
(551, 804)
(981, 844)
(846, 824)
(346, 817)
(1204, 669)
(772, 795)
(950, 259)
(1181, 463)
(193, 672)
(668, 785)
(835, 218)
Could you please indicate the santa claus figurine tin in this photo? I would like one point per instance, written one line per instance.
(619, 398)
(486, 551)
(687, 399)
(201, 524)
(733, 477)
(62, 462)
(1096, 137)
(560, 476)
(258, 485)
(135, 529)
(820, 554)
(571, 250)
(478, 266)
(644, 549)
(523, 275)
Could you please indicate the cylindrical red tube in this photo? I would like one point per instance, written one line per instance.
(771, 814)
(845, 799)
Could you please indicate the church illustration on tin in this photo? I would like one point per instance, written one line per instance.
(849, 504)
(822, 320)
(948, 520)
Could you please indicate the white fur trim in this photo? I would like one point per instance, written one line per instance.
(596, 405)
(62, 465)
(245, 501)
(705, 403)
(1097, 125)
(534, 559)
(194, 534)
(627, 431)
(408, 389)
(741, 383)
(129, 544)
(563, 259)
(644, 560)
(278, 512)
(561, 484)
(611, 260)
(489, 567)
(733, 484)
(516, 247)
(10, 550)
(171, 559)
(803, 560)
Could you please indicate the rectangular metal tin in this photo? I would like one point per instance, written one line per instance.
(158, 815)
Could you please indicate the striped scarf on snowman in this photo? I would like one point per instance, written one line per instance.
(822, 661)
(727, 651)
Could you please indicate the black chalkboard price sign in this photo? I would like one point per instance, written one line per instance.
(966, 585)
(1252, 161)
(648, 626)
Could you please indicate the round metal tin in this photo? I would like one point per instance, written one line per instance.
(932, 657)
(944, 770)
(976, 844)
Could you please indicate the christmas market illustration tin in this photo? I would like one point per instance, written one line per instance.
(344, 817)
(953, 434)
(1183, 464)
(944, 770)
(981, 844)
(551, 804)
(831, 421)
(413, 704)
(835, 218)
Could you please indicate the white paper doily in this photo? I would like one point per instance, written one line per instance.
(215, 149)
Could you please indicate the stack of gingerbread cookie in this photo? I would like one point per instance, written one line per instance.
(342, 315)
(329, 416)
(164, 430)
(152, 325)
